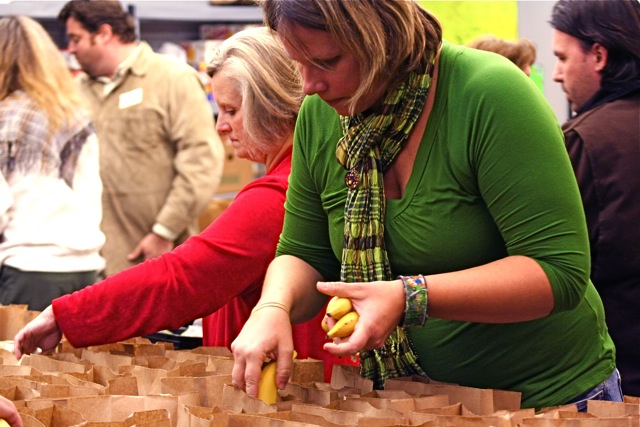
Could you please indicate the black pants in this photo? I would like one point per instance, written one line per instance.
(38, 289)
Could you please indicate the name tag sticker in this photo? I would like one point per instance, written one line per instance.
(130, 99)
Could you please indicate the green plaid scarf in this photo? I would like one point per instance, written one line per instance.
(369, 145)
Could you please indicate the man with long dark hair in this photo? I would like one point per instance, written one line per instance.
(597, 44)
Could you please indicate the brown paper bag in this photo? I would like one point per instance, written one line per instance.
(111, 361)
(153, 362)
(148, 380)
(209, 387)
(606, 409)
(196, 416)
(19, 393)
(143, 347)
(187, 368)
(213, 351)
(551, 411)
(47, 364)
(314, 393)
(137, 346)
(7, 357)
(13, 318)
(152, 418)
(117, 408)
(305, 371)
(53, 416)
(365, 409)
(477, 400)
(315, 419)
(399, 400)
(64, 347)
(577, 422)
(220, 365)
(217, 359)
(16, 371)
(568, 416)
(85, 379)
(29, 421)
(332, 416)
(53, 391)
(250, 420)
(467, 419)
(236, 400)
(348, 376)
(125, 385)
(302, 418)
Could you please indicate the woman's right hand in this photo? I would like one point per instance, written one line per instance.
(266, 334)
(41, 333)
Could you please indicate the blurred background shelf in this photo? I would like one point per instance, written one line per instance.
(159, 21)
(187, 10)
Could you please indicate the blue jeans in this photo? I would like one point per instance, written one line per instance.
(610, 390)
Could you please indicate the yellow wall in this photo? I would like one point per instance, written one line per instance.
(462, 21)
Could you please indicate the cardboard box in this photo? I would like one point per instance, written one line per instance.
(217, 205)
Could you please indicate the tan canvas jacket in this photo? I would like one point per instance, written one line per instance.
(160, 157)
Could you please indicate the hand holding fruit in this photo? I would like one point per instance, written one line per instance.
(341, 310)
(267, 387)
(379, 307)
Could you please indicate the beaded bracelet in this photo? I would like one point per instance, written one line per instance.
(270, 304)
(416, 294)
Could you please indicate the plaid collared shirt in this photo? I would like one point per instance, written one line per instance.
(28, 146)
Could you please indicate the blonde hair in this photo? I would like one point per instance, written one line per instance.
(389, 38)
(31, 62)
(521, 52)
(267, 80)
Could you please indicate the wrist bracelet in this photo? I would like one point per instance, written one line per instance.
(416, 294)
(270, 304)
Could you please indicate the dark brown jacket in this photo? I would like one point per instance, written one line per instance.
(604, 146)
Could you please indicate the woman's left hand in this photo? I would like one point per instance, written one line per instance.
(380, 306)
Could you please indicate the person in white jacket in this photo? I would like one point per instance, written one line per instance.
(50, 188)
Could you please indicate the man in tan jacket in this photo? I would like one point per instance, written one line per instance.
(160, 157)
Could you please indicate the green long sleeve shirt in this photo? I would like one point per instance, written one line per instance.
(491, 179)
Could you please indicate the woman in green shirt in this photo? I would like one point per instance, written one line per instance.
(443, 165)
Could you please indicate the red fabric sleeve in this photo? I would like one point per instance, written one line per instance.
(217, 274)
(225, 261)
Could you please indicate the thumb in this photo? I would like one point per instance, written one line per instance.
(137, 252)
(340, 289)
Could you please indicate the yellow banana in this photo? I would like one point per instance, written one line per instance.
(325, 326)
(267, 388)
(344, 326)
(338, 307)
(3, 423)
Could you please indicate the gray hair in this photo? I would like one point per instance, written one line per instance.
(268, 82)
